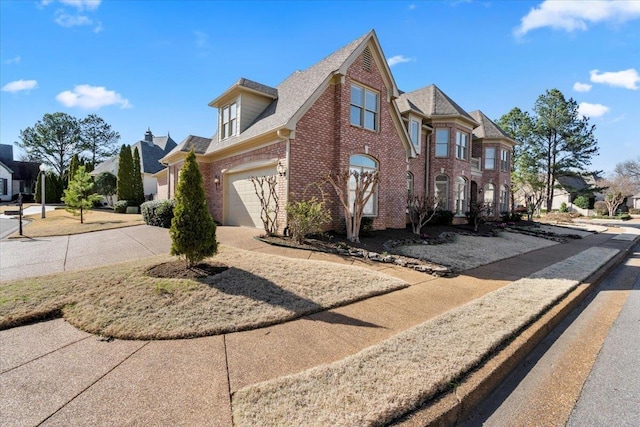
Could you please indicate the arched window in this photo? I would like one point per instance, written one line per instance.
(442, 191)
(490, 198)
(362, 163)
(504, 199)
(461, 195)
(409, 184)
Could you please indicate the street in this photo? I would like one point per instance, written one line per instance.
(585, 372)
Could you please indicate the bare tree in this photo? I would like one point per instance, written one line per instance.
(364, 184)
(478, 211)
(630, 168)
(269, 205)
(421, 209)
(615, 191)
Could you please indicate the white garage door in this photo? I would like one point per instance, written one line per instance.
(242, 206)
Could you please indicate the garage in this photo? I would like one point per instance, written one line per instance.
(242, 206)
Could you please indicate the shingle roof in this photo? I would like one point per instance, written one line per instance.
(267, 90)
(6, 167)
(487, 128)
(198, 143)
(431, 102)
(6, 153)
(25, 171)
(150, 155)
(572, 182)
(292, 93)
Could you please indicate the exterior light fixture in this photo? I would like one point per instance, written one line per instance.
(216, 181)
(42, 191)
(281, 168)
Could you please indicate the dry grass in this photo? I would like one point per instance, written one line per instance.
(473, 251)
(385, 381)
(122, 301)
(61, 223)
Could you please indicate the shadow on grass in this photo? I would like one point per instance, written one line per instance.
(243, 283)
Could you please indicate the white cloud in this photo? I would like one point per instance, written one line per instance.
(202, 39)
(78, 4)
(627, 79)
(586, 109)
(581, 87)
(65, 20)
(15, 60)
(20, 85)
(398, 59)
(572, 15)
(91, 98)
(412, 6)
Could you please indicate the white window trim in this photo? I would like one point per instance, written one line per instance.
(359, 168)
(363, 108)
(437, 194)
(232, 121)
(504, 160)
(448, 142)
(418, 123)
(460, 147)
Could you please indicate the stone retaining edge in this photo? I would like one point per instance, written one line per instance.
(457, 404)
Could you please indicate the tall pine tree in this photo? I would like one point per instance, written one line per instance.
(193, 232)
(125, 174)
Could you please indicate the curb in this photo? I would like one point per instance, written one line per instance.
(455, 405)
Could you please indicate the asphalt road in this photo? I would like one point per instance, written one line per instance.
(586, 371)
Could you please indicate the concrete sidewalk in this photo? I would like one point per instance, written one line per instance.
(53, 374)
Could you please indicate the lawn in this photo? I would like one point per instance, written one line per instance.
(123, 301)
(59, 222)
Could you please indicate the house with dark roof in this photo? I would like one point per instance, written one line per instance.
(16, 176)
(152, 148)
(568, 187)
(345, 112)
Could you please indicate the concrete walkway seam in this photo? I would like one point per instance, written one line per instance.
(45, 354)
(226, 365)
(456, 405)
(93, 383)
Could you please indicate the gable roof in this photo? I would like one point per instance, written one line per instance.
(573, 183)
(6, 167)
(294, 96)
(431, 102)
(488, 128)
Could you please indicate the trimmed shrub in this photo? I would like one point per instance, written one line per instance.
(564, 208)
(366, 226)
(306, 217)
(158, 212)
(601, 208)
(510, 216)
(582, 202)
(442, 217)
(120, 206)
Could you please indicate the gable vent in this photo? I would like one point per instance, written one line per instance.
(366, 59)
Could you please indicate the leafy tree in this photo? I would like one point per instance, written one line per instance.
(98, 139)
(73, 167)
(582, 202)
(615, 191)
(193, 232)
(80, 195)
(107, 185)
(138, 186)
(125, 174)
(563, 141)
(52, 140)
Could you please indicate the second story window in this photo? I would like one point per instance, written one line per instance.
(364, 108)
(462, 145)
(442, 142)
(490, 158)
(504, 160)
(229, 119)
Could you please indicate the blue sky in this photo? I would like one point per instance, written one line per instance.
(157, 64)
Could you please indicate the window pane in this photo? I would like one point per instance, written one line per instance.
(414, 131)
(355, 116)
(369, 120)
(232, 127)
(233, 110)
(371, 101)
(356, 95)
(359, 160)
(225, 115)
(442, 136)
(441, 150)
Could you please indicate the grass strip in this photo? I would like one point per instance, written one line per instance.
(121, 301)
(385, 381)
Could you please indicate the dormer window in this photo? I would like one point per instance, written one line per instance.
(229, 120)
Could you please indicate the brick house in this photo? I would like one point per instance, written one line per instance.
(343, 112)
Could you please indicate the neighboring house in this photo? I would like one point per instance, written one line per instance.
(634, 201)
(15, 176)
(345, 112)
(152, 149)
(568, 187)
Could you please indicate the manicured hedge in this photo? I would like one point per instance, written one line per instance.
(158, 212)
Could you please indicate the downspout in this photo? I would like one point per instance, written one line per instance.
(281, 135)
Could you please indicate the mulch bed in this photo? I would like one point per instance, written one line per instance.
(178, 270)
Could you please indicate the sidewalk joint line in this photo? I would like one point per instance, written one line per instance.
(66, 254)
(92, 384)
(226, 364)
(45, 354)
